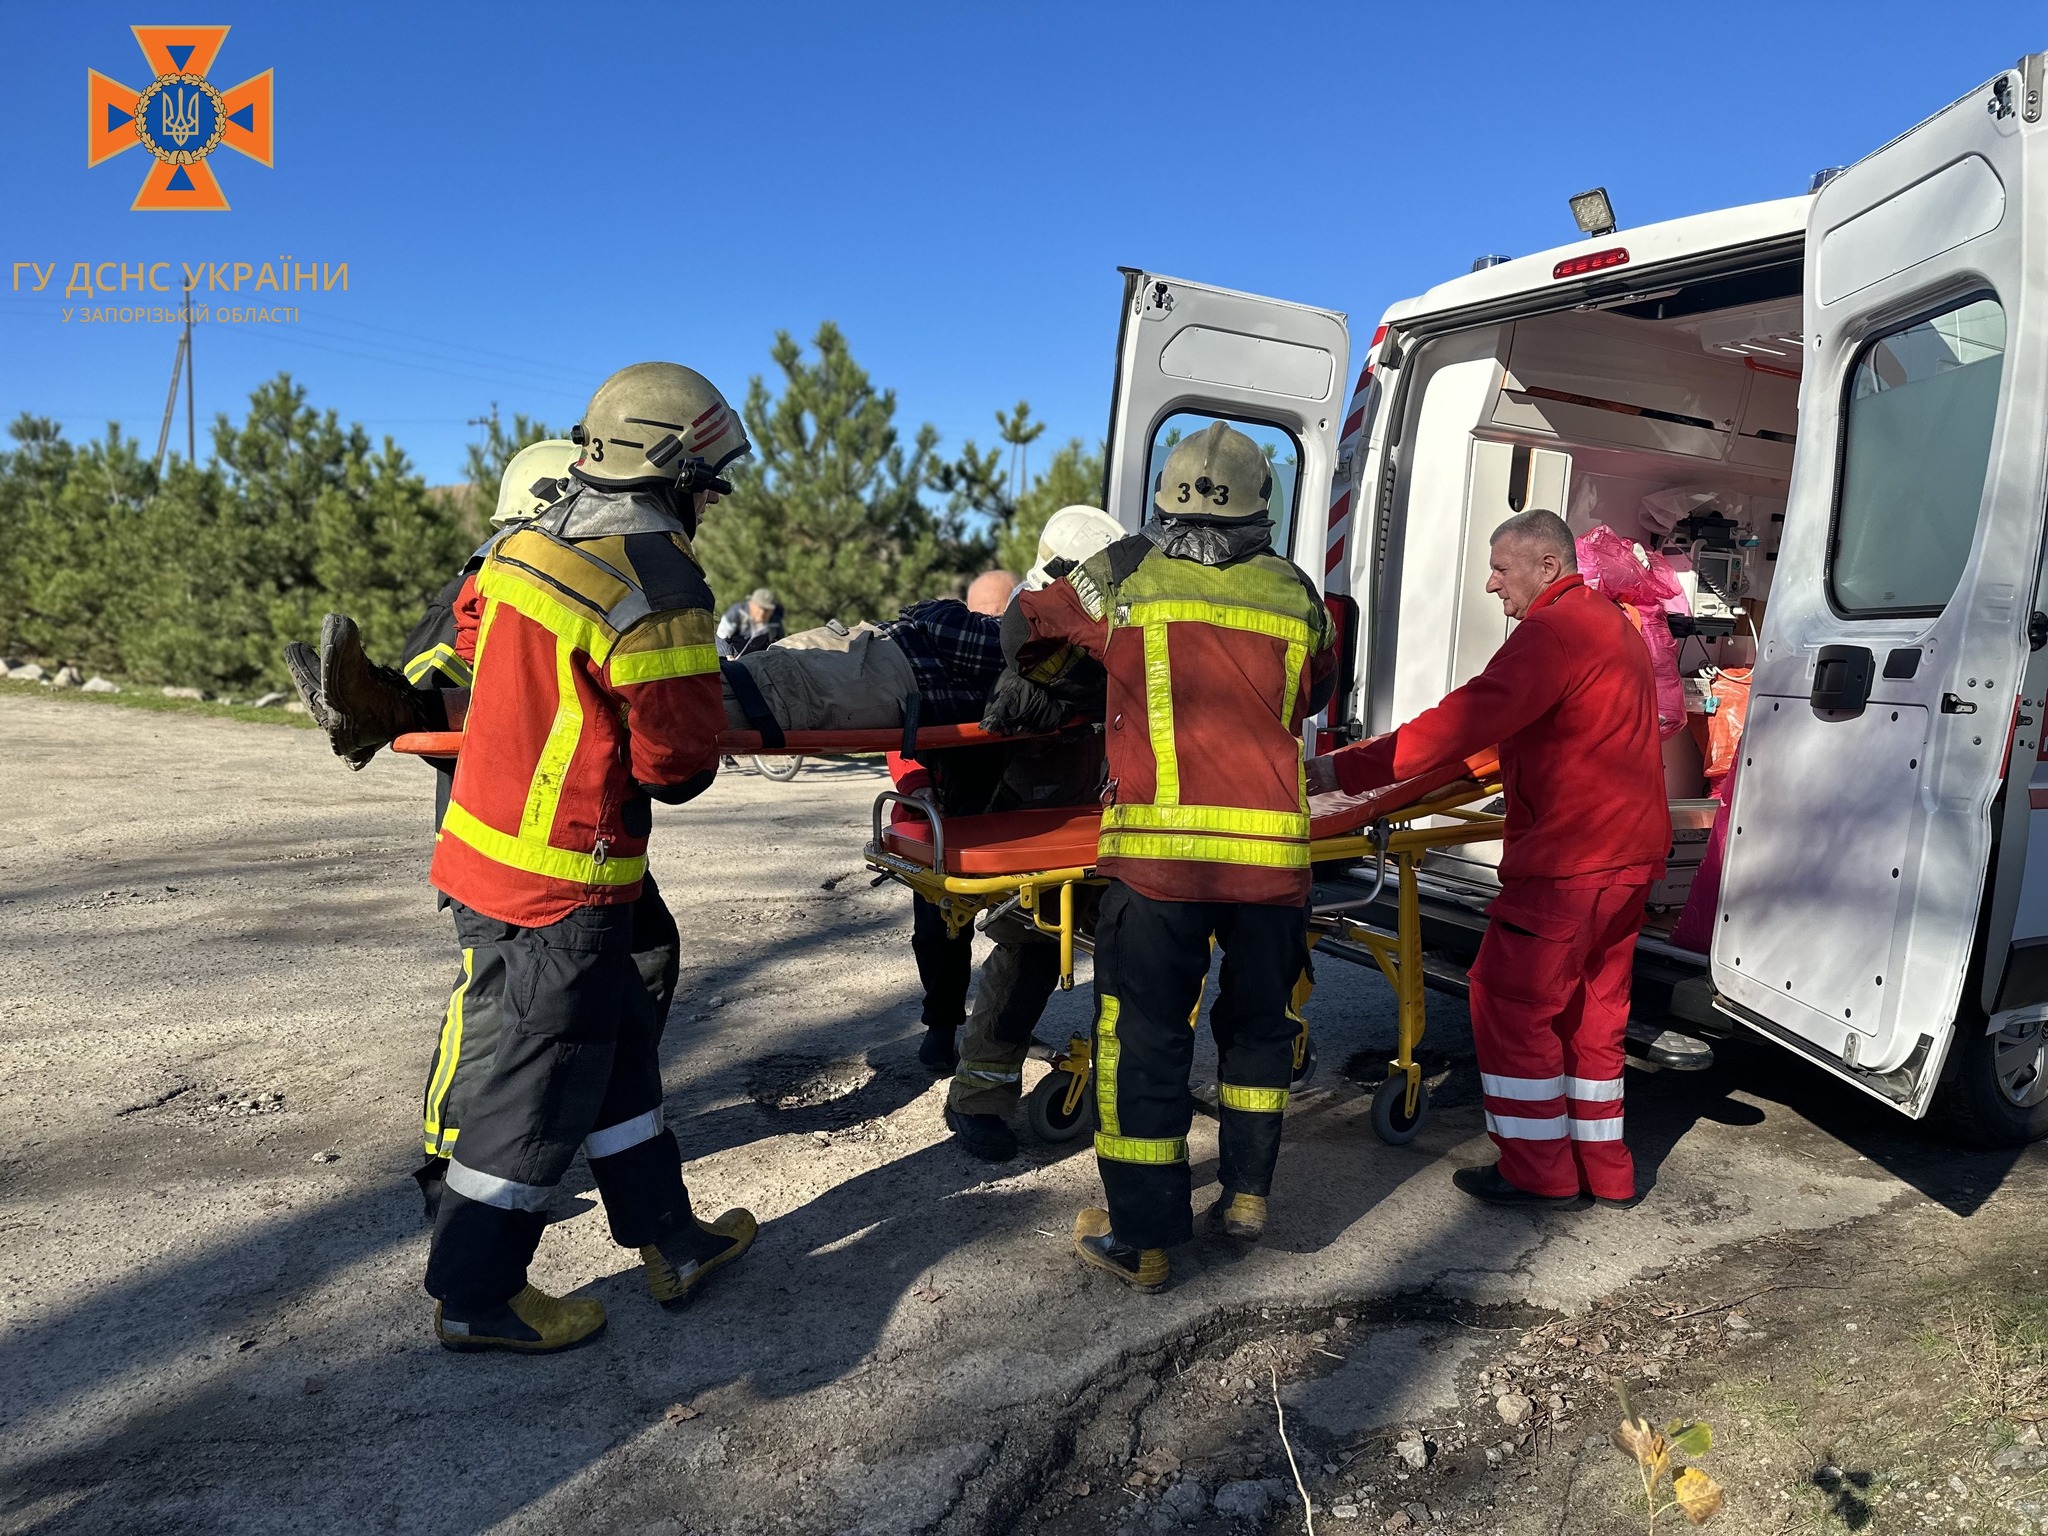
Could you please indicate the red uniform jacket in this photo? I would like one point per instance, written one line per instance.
(1211, 671)
(596, 681)
(1572, 704)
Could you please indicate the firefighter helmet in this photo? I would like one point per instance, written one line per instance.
(1219, 472)
(1073, 534)
(532, 482)
(659, 422)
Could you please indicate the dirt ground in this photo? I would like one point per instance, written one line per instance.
(220, 978)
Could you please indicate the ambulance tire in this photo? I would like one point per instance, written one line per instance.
(1390, 1118)
(1988, 1083)
(1046, 1112)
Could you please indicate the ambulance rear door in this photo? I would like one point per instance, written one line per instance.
(1885, 696)
(1188, 354)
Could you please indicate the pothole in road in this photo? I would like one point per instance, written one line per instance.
(806, 1082)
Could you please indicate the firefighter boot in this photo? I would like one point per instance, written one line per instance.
(1240, 1216)
(679, 1264)
(531, 1323)
(1142, 1269)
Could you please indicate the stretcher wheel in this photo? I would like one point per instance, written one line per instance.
(1390, 1119)
(780, 769)
(1305, 1072)
(1045, 1108)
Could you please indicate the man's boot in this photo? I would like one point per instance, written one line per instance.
(360, 705)
(987, 1137)
(1240, 1216)
(1142, 1269)
(678, 1265)
(531, 1323)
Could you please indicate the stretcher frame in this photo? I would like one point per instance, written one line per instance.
(1046, 896)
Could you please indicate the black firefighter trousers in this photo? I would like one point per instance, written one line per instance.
(475, 1014)
(1151, 959)
(576, 1065)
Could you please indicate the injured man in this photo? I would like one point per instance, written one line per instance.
(943, 652)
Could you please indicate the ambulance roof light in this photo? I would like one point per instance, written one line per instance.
(1481, 263)
(1593, 212)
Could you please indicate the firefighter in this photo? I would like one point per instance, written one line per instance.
(596, 688)
(1216, 650)
(1571, 701)
(533, 481)
(430, 691)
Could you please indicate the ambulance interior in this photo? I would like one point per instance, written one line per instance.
(1670, 419)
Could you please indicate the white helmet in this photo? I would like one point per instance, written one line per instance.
(532, 481)
(1072, 533)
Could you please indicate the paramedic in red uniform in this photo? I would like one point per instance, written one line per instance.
(1569, 699)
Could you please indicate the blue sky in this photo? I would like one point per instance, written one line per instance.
(530, 196)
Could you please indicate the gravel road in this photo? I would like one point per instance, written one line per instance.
(221, 973)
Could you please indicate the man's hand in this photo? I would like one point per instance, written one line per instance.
(1321, 773)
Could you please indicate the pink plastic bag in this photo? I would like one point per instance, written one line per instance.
(1642, 580)
(1629, 573)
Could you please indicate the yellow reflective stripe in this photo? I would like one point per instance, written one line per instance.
(1295, 660)
(1205, 818)
(1208, 850)
(1259, 621)
(1159, 715)
(538, 858)
(445, 1059)
(442, 659)
(1262, 1101)
(483, 633)
(586, 634)
(1141, 1149)
(672, 661)
(1107, 1050)
(551, 772)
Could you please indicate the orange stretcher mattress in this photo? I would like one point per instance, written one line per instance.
(795, 743)
(1023, 842)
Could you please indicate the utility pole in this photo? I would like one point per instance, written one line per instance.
(191, 425)
(182, 363)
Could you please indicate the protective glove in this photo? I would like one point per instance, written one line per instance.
(1017, 706)
(360, 705)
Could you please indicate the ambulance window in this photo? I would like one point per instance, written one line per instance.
(1282, 452)
(1916, 445)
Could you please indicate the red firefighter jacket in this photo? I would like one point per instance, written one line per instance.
(1211, 671)
(1571, 701)
(596, 680)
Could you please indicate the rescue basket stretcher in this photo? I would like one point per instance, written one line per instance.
(977, 869)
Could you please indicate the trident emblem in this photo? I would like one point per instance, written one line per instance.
(180, 125)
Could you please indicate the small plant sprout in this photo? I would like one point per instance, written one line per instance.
(1692, 1493)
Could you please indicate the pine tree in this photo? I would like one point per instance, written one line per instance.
(830, 512)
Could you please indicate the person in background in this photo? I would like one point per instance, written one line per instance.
(750, 625)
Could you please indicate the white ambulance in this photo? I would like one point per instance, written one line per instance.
(1831, 413)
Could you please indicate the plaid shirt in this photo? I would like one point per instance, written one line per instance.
(955, 653)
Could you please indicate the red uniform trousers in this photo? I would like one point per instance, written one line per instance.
(1550, 997)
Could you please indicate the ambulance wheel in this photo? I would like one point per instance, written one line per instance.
(1994, 1092)
(780, 769)
(1045, 1109)
(1390, 1119)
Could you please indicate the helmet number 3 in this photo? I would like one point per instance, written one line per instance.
(1208, 489)
(597, 449)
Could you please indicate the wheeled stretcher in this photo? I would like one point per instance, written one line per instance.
(1036, 862)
